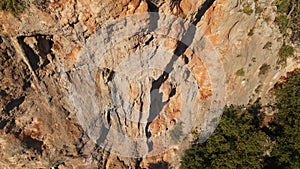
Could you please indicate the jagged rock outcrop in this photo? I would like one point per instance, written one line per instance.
(60, 86)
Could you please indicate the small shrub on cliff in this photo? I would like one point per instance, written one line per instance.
(248, 10)
(13, 6)
(282, 22)
(264, 69)
(285, 52)
(240, 72)
(258, 9)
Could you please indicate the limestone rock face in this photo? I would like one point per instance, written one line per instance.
(113, 84)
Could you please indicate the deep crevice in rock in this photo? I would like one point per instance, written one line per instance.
(10, 126)
(175, 4)
(186, 59)
(3, 93)
(180, 49)
(154, 17)
(37, 57)
(173, 92)
(159, 165)
(14, 103)
(3, 123)
(108, 74)
(138, 162)
(33, 58)
(26, 85)
(44, 48)
(32, 143)
(151, 6)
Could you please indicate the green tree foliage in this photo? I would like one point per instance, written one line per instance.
(236, 143)
(289, 17)
(282, 22)
(285, 52)
(239, 142)
(283, 6)
(286, 127)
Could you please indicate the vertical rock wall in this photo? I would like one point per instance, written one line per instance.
(38, 126)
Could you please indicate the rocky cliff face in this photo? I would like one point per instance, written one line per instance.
(67, 78)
